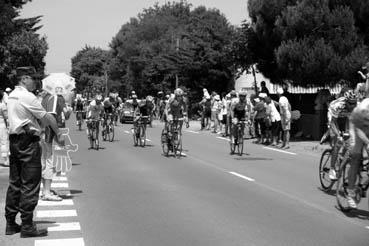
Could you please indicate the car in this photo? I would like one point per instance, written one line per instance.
(126, 114)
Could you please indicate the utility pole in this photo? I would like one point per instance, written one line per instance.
(177, 49)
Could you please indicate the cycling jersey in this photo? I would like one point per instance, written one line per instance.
(95, 110)
(338, 109)
(142, 110)
(176, 108)
(79, 105)
(239, 110)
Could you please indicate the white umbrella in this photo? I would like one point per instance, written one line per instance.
(58, 84)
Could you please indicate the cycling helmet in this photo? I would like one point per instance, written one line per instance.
(178, 92)
(142, 102)
(242, 94)
(98, 98)
(149, 98)
(233, 93)
(134, 96)
(160, 93)
(350, 97)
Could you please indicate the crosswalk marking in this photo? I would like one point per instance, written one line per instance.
(57, 185)
(65, 202)
(56, 213)
(71, 226)
(59, 178)
(60, 242)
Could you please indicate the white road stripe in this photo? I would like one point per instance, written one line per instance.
(65, 202)
(60, 242)
(227, 139)
(127, 132)
(55, 213)
(148, 140)
(71, 226)
(242, 176)
(192, 131)
(282, 151)
(367, 227)
(60, 179)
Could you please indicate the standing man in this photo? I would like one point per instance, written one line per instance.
(285, 111)
(25, 159)
(263, 88)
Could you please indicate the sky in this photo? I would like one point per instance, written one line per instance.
(71, 24)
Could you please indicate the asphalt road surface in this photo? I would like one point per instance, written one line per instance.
(134, 196)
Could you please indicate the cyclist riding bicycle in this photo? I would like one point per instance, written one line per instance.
(95, 112)
(79, 106)
(141, 111)
(175, 108)
(359, 138)
(238, 113)
(339, 111)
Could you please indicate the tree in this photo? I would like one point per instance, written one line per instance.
(89, 68)
(172, 39)
(20, 45)
(310, 42)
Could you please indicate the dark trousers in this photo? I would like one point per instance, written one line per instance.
(24, 178)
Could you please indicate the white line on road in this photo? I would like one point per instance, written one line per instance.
(242, 176)
(227, 139)
(55, 213)
(71, 226)
(148, 140)
(192, 131)
(127, 132)
(60, 242)
(60, 179)
(65, 202)
(367, 227)
(282, 151)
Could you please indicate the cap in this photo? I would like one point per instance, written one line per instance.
(23, 71)
(8, 89)
(264, 95)
(217, 97)
(280, 91)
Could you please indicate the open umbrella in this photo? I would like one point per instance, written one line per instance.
(58, 84)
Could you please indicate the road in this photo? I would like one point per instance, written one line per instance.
(126, 195)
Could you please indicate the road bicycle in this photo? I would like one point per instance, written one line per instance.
(171, 138)
(325, 161)
(93, 136)
(237, 141)
(79, 116)
(108, 128)
(139, 131)
(362, 181)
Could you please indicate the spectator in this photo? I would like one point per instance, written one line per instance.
(260, 115)
(263, 88)
(285, 111)
(224, 113)
(217, 107)
(275, 119)
(25, 154)
(4, 136)
(207, 112)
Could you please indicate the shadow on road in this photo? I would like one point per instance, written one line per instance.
(328, 192)
(356, 213)
(76, 164)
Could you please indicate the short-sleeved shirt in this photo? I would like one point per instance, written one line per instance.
(55, 105)
(25, 109)
(260, 109)
(338, 109)
(95, 110)
(285, 107)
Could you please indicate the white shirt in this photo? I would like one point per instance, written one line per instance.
(285, 107)
(24, 109)
(274, 115)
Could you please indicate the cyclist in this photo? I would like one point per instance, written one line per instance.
(339, 111)
(134, 101)
(142, 110)
(151, 106)
(238, 113)
(175, 108)
(95, 111)
(79, 104)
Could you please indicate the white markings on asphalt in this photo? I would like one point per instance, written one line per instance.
(65, 202)
(57, 178)
(71, 226)
(59, 185)
(127, 132)
(192, 131)
(227, 139)
(282, 151)
(56, 213)
(367, 227)
(60, 242)
(148, 140)
(242, 176)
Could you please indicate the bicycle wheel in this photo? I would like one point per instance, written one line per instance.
(104, 132)
(142, 136)
(240, 142)
(111, 132)
(342, 183)
(135, 138)
(324, 167)
(91, 138)
(178, 144)
(164, 143)
(80, 125)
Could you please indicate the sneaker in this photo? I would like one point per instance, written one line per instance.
(332, 174)
(51, 197)
(351, 202)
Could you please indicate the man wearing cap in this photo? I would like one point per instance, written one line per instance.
(25, 159)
